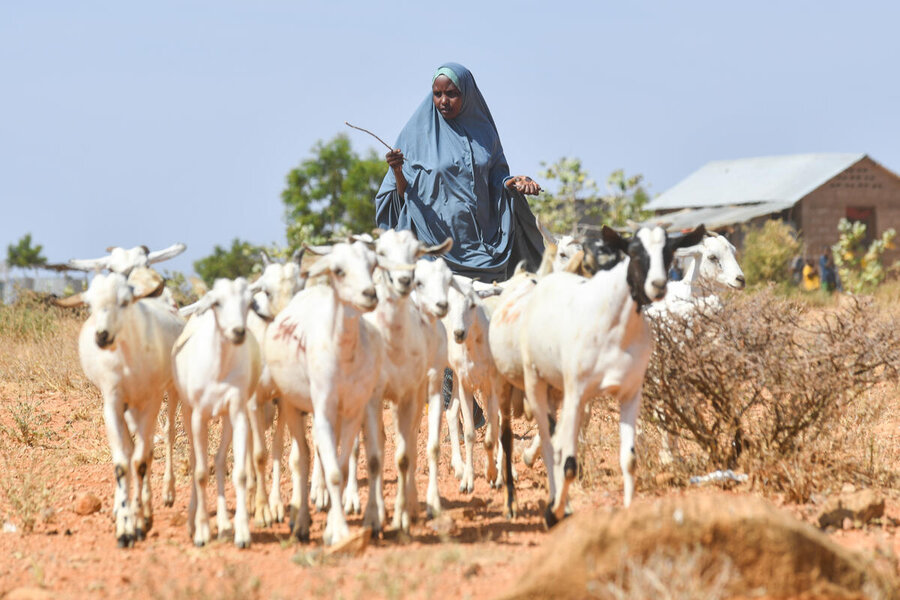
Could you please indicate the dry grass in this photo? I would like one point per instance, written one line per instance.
(787, 393)
(685, 575)
(39, 349)
(28, 478)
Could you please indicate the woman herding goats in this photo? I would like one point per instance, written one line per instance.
(449, 178)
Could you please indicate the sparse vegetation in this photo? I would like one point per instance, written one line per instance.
(771, 387)
(767, 252)
(27, 478)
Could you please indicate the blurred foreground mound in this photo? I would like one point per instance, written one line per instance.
(699, 546)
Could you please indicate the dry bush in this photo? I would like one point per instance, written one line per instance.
(773, 387)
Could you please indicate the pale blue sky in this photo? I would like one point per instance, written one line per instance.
(126, 123)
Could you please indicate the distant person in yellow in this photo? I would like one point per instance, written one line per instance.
(810, 276)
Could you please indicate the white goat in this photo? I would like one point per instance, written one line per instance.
(470, 359)
(122, 261)
(272, 293)
(585, 338)
(216, 366)
(404, 377)
(711, 264)
(433, 281)
(325, 359)
(125, 350)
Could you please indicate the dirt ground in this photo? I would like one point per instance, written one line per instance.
(479, 554)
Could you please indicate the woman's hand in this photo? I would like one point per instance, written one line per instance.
(394, 159)
(524, 184)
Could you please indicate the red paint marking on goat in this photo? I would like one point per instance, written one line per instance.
(288, 330)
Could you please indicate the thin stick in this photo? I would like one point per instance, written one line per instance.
(370, 133)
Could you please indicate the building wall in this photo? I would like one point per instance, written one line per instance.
(865, 184)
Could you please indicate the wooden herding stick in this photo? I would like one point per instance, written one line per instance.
(370, 133)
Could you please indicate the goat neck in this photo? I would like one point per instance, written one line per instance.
(344, 318)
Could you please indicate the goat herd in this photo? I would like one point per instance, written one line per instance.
(373, 321)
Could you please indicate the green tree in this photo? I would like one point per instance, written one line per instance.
(768, 251)
(861, 269)
(578, 197)
(24, 255)
(241, 260)
(625, 199)
(559, 211)
(332, 191)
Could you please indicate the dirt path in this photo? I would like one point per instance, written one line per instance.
(476, 553)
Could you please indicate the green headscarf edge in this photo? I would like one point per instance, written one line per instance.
(448, 72)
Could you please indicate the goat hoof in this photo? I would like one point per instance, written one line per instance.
(242, 545)
(125, 541)
(140, 535)
(169, 500)
(199, 543)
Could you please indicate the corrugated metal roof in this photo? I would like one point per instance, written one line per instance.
(780, 179)
(716, 216)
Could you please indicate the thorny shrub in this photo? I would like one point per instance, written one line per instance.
(766, 384)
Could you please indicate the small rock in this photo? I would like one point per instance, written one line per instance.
(355, 545)
(665, 479)
(29, 593)
(848, 488)
(9, 527)
(86, 504)
(862, 506)
(472, 571)
(847, 525)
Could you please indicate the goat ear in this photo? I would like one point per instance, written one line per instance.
(260, 312)
(89, 264)
(264, 256)
(521, 268)
(320, 267)
(441, 248)
(166, 253)
(376, 233)
(146, 283)
(256, 286)
(612, 239)
(549, 238)
(70, 301)
(547, 258)
(456, 285)
(365, 238)
(575, 263)
(297, 256)
(689, 239)
(318, 250)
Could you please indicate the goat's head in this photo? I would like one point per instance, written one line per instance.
(229, 300)
(278, 283)
(397, 252)
(109, 297)
(463, 302)
(349, 267)
(717, 262)
(124, 261)
(650, 252)
(433, 279)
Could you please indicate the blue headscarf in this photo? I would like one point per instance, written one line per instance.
(456, 171)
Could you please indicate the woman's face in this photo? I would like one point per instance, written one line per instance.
(447, 97)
